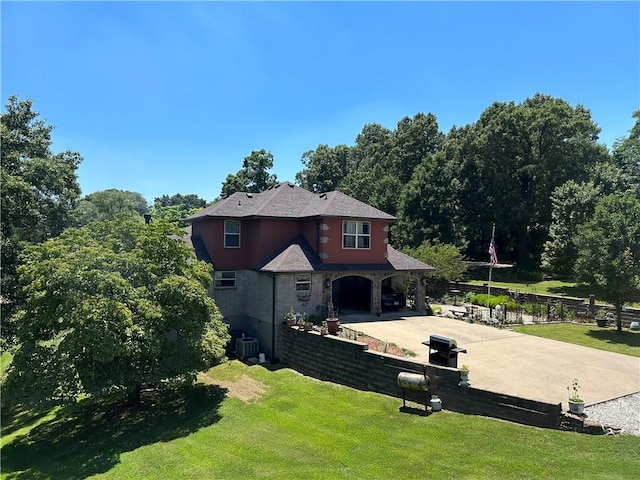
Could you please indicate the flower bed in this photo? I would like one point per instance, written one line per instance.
(376, 344)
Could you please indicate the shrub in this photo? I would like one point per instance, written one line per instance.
(468, 297)
(535, 309)
(481, 299)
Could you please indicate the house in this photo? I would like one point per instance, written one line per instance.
(288, 247)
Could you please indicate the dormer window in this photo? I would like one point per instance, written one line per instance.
(356, 234)
(232, 233)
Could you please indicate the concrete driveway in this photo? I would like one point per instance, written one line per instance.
(504, 361)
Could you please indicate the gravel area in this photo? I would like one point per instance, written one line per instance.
(623, 413)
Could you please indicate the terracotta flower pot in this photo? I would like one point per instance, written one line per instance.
(333, 325)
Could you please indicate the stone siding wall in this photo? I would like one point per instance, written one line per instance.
(286, 296)
(249, 306)
(257, 297)
(232, 301)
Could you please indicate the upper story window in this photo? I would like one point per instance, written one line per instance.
(232, 233)
(224, 279)
(303, 282)
(356, 234)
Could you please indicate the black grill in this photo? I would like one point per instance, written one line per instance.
(443, 351)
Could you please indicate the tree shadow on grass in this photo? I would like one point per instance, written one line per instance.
(15, 417)
(89, 437)
(576, 291)
(614, 337)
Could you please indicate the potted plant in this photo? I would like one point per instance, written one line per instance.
(576, 404)
(464, 376)
(601, 318)
(290, 317)
(304, 322)
(324, 328)
(333, 325)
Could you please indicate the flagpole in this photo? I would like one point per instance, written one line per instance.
(493, 232)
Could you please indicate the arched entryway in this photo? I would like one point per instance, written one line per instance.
(352, 292)
(363, 293)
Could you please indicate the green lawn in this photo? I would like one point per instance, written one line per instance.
(5, 361)
(506, 278)
(545, 287)
(626, 343)
(278, 424)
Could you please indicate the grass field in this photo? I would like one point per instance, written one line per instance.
(543, 287)
(626, 343)
(506, 278)
(5, 361)
(253, 423)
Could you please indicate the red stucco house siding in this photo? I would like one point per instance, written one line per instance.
(291, 252)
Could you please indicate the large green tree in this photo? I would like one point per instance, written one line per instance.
(513, 158)
(176, 207)
(573, 204)
(626, 156)
(370, 168)
(445, 258)
(39, 190)
(253, 177)
(188, 201)
(428, 208)
(413, 140)
(107, 204)
(112, 306)
(324, 168)
(382, 161)
(609, 250)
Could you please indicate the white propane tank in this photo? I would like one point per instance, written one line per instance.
(413, 381)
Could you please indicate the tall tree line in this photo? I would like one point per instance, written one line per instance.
(511, 167)
(39, 190)
(40, 198)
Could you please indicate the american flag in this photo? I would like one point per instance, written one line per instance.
(493, 256)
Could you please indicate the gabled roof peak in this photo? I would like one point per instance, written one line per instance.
(278, 185)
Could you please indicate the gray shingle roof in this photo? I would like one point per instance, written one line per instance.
(295, 256)
(401, 261)
(298, 256)
(286, 200)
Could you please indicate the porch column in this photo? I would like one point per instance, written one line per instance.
(327, 290)
(420, 292)
(376, 299)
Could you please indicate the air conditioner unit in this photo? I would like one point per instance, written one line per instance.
(247, 347)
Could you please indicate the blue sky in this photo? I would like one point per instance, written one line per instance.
(169, 97)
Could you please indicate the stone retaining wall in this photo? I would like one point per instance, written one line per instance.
(350, 363)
